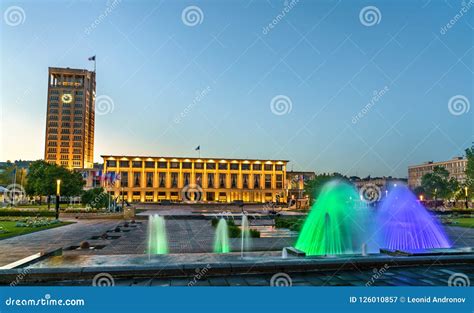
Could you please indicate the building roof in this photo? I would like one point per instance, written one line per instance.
(187, 158)
(431, 163)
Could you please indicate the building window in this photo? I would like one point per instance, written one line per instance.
(210, 196)
(256, 181)
(174, 165)
(210, 180)
(268, 181)
(111, 163)
(161, 164)
(149, 180)
(150, 164)
(257, 167)
(222, 166)
(234, 166)
(186, 165)
(268, 167)
(136, 179)
(245, 167)
(211, 166)
(124, 164)
(199, 179)
(198, 165)
(279, 167)
(174, 180)
(124, 179)
(233, 180)
(136, 164)
(187, 177)
(162, 178)
(221, 180)
(245, 181)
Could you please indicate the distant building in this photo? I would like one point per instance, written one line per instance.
(155, 179)
(70, 118)
(295, 183)
(375, 188)
(456, 168)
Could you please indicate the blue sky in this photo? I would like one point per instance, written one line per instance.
(319, 55)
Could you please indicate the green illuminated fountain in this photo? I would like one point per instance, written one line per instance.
(221, 240)
(329, 228)
(157, 239)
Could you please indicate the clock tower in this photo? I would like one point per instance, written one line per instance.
(70, 118)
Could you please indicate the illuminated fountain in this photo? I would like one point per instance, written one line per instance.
(245, 235)
(336, 222)
(221, 240)
(407, 225)
(157, 240)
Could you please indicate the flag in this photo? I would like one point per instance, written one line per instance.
(92, 58)
(198, 148)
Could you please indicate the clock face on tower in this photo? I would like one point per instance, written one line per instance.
(66, 98)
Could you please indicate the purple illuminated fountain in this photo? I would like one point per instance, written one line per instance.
(407, 225)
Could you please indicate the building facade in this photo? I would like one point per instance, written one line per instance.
(70, 118)
(155, 179)
(456, 168)
(295, 183)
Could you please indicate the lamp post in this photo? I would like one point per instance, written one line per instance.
(122, 198)
(58, 192)
(436, 202)
(465, 193)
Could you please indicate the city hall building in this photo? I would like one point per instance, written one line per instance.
(155, 179)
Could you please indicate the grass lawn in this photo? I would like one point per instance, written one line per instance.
(463, 222)
(12, 231)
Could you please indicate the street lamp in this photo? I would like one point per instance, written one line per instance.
(421, 198)
(58, 192)
(465, 193)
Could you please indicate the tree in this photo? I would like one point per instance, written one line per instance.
(42, 179)
(470, 171)
(96, 198)
(313, 187)
(437, 184)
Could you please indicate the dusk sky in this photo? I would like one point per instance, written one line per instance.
(322, 59)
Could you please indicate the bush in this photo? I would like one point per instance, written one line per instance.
(41, 213)
(292, 223)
